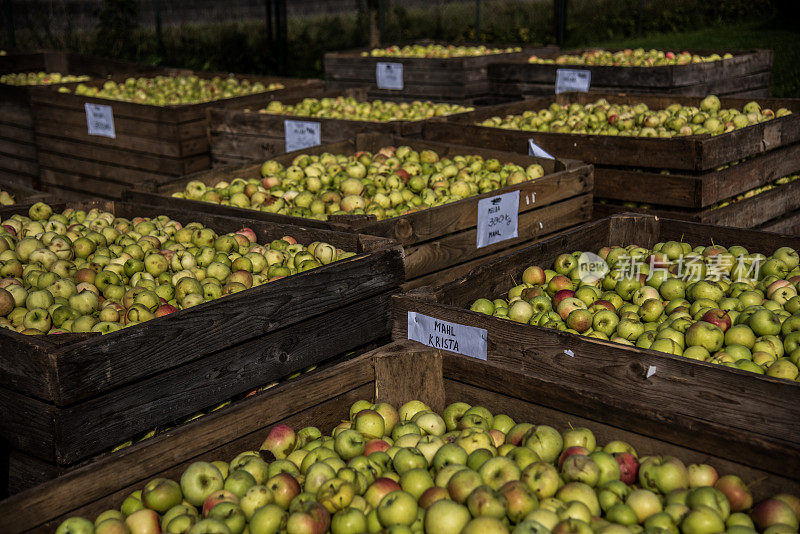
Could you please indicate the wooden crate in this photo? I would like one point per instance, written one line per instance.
(629, 169)
(395, 374)
(18, 159)
(462, 80)
(746, 213)
(747, 73)
(68, 397)
(238, 136)
(440, 242)
(746, 415)
(151, 141)
(690, 153)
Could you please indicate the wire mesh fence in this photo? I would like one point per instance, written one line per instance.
(291, 37)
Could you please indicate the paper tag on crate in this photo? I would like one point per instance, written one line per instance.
(100, 120)
(573, 80)
(466, 340)
(497, 218)
(537, 151)
(389, 76)
(301, 134)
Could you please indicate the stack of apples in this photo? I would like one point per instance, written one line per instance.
(90, 271)
(173, 90)
(638, 57)
(466, 471)
(350, 108)
(40, 78)
(390, 182)
(709, 303)
(638, 120)
(437, 51)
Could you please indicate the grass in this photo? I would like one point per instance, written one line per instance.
(783, 41)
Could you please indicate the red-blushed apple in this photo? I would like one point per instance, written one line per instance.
(431, 495)
(379, 489)
(569, 451)
(217, 497)
(375, 445)
(520, 500)
(517, 433)
(248, 233)
(165, 309)
(280, 441)
(533, 275)
(561, 295)
(284, 487)
(310, 518)
(773, 512)
(143, 522)
(719, 318)
(791, 500)
(736, 491)
(462, 483)
(701, 475)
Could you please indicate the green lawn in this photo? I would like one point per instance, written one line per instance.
(785, 44)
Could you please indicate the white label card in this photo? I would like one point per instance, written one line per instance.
(389, 76)
(497, 218)
(537, 151)
(100, 120)
(301, 134)
(466, 340)
(573, 80)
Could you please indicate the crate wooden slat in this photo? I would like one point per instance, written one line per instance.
(746, 213)
(435, 240)
(237, 135)
(160, 141)
(456, 79)
(747, 71)
(75, 395)
(395, 373)
(684, 395)
(18, 156)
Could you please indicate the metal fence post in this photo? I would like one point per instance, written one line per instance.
(478, 20)
(159, 34)
(281, 31)
(640, 17)
(9, 10)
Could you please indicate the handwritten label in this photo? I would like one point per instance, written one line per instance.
(100, 120)
(466, 340)
(573, 80)
(497, 218)
(389, 76)
(537, 151)
(301, 134)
